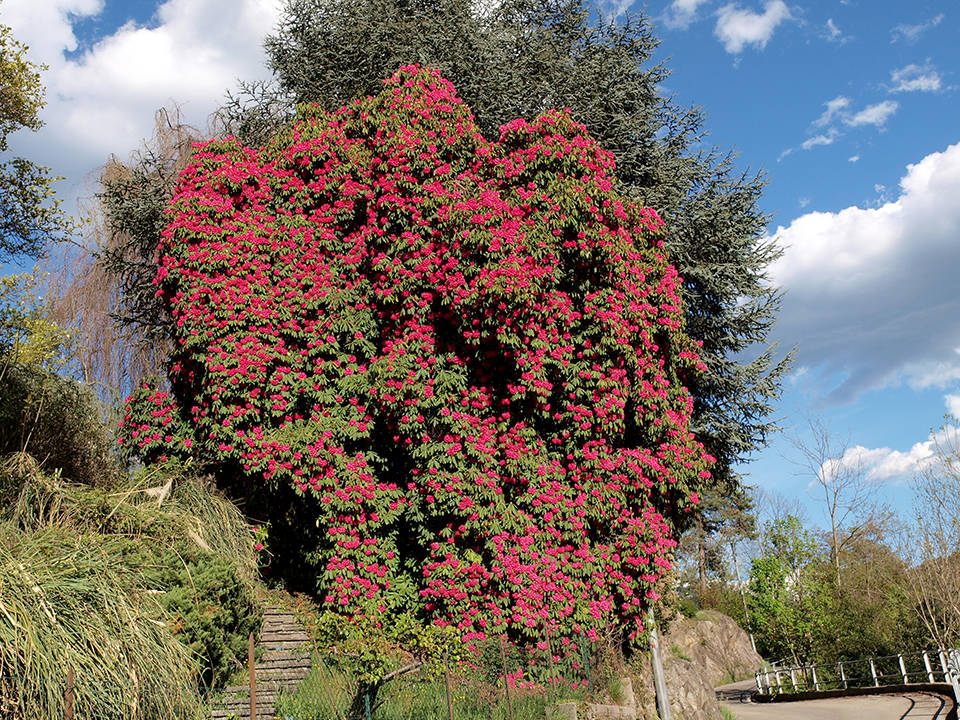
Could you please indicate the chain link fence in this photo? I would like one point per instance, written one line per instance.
(499, 680)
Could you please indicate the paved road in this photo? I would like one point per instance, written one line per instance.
(909, 706)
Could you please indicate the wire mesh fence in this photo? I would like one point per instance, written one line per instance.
(500, 681)
(497, 680)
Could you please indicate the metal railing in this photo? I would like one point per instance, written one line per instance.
(933, 666)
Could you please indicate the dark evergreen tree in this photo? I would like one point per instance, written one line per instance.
(514, 59)
(519, 57)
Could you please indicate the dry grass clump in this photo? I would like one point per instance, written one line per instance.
(101, 580)
(158, 505)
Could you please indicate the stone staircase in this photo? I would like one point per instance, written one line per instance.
(284, 661)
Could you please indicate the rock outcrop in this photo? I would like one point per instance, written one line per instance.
(698, 654)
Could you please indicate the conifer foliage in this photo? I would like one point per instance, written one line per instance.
(468, 356)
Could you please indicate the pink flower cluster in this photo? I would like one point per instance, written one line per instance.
(470, 353)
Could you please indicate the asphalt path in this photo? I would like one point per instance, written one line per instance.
(907, 706)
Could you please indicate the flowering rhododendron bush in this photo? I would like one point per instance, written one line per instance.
(467, 355)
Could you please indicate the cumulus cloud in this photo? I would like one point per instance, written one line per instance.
(912, 33)
(681, 13)
(853, 158)
(877, 114)
(881, 464)
(953, 405)
(871, 292)
(737, 28)
(912, 78)
(102, 100)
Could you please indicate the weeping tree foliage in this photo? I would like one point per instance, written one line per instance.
(104, 289)
(516, 59)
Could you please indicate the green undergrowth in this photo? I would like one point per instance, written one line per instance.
(330, 693)
(146, 589)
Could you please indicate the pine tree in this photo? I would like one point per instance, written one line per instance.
(515, 59)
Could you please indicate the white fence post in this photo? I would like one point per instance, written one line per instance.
(843, 675)
(793, 679)
(873, 673)
(953, 665)
(903, 669)
(813, 672)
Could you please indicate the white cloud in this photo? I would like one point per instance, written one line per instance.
(615, 9)
(834, 107)
(879, 464)
(832, 33)
(822, 139)
(873, 114)
(953, 405)
(103, 100)
(681, 13)
(737, 28)
(853, 158)
(923, 78)
(912, 33)
(937, 374)
(871, 292)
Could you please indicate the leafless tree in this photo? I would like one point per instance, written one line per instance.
(840, 475)
(935, 537)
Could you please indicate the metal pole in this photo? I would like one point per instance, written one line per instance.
(776, 674)
(759, 684)
(743, 597)
(659, 678)
(506, 680)
(873, 673)
(843, 675)
(793, 679)
(903, 669)
(954, 678)
(446, 664)
(253, 678)
(68, 696)
(926, 664)
(586, 664)
(553, 669)
(813, 672)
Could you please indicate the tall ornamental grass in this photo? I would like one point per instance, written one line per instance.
(115, 584)
(68, 601)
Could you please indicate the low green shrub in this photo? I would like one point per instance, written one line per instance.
(58, 421)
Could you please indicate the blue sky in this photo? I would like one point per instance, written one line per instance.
(849, 106)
